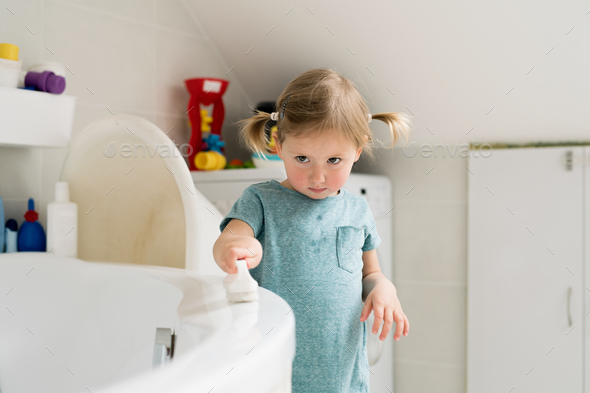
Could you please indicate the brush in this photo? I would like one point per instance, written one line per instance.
(241, 287)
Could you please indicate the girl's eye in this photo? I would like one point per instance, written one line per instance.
(331, 162)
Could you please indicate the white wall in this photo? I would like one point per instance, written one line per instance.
(130, 56)
(448, 63)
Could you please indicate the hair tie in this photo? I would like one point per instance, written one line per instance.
(284, 105)
(274, 116)
(370, 118)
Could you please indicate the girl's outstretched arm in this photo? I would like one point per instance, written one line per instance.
(380, 295)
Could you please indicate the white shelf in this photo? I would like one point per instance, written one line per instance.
(35, 118)
(241, 174)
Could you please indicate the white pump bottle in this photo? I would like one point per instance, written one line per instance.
(62, 223)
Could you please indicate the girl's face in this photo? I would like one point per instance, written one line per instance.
(317, 166)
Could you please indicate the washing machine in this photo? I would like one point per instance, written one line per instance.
(224, 188)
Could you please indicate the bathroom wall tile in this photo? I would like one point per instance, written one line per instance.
(179, 57)
(412, 377)
(20, 172)
(432, 178)
(234, 149)
(437, 323)
(111, 59)
(52, 160)
(172, 14)
(41, 208)
(15, 208)
(84, 115)
(417, 216)
(138, 10)
(177, 129)
(21, 25)
(430, 241)
(418, 178)
(87, 113)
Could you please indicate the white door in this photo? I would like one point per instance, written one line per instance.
(525, 268)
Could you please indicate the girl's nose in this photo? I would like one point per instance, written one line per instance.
(317, 177)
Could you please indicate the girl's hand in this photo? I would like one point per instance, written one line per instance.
(386, 306)
(239, 247)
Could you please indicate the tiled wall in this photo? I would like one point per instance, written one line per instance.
(131, 56)
(429, 267)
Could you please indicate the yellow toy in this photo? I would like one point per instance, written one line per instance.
(206, 120)
(210, 160)
(204, 123)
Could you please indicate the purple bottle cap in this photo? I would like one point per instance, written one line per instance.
(35, 79)
(46, 81)
(55, 84)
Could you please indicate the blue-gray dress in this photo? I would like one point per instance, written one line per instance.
(312, 258)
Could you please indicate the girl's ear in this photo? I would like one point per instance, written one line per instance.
(275, 136)
(359, 151)
(358, 154)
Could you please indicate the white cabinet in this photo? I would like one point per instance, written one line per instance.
(527, 293)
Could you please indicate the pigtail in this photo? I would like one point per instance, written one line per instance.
(399, 125)
(252, 135)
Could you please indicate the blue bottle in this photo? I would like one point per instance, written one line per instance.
(31, 236)
(2, 241)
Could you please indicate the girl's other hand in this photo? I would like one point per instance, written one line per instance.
(386, 307)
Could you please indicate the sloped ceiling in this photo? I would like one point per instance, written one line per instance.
(465, 71)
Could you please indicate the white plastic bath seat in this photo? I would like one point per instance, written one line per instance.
(71, 326)
(137, 202)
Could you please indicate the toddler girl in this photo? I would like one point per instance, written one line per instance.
(319, 240)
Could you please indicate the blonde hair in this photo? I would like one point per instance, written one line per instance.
(321, 100)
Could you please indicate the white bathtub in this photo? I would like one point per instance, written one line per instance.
(68, 325)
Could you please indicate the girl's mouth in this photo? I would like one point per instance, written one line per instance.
(318, 190)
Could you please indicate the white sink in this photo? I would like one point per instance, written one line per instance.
(69, 325)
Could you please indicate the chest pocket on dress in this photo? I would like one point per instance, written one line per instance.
(349, 243)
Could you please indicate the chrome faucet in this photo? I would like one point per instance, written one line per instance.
(164, 347)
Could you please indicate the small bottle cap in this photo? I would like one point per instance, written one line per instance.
(8, 51)
(55, 84)
(31, 215)
(62, 191)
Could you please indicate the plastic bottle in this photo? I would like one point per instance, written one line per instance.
(62, 223)
(45, 81)
(11, 235)
(2, 237)
(31, 236)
